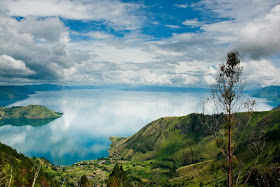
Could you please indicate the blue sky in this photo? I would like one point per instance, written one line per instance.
(145, 42)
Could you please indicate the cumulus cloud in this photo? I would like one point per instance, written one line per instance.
(115, 13)
(120, 53)
(252, 27)
(261, 73)
(11, 67)
(261, 37)
(21, 43)
(48, 29)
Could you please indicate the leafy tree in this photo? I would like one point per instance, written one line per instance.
(118, 177)
(84, 181)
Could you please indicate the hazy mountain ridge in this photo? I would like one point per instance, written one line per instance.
(10, 94)
(271, 93)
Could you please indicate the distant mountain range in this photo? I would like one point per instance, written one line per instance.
(271, 93)
(10, 94)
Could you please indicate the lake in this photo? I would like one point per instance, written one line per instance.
(91, 117)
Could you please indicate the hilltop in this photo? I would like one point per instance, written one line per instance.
(27, 115)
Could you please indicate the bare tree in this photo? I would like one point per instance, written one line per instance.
(225, 95)
(227, 99)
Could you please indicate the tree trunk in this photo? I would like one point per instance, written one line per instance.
(229, 152)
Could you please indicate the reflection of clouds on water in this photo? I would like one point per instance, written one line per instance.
(14, 138)
(90, 117)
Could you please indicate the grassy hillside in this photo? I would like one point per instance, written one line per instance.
(184, 143)
(10, 94)
(271, 93)
(167, 138)
(29, 115)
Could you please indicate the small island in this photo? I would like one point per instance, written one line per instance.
(34, 115)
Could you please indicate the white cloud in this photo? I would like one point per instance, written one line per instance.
(182, 5)
(115, 13)
(99, 35)
(192, 22)
(173, 26)
(261, 37)
(43, 53)
(261, 73)
(11, 67)
(241, 10)
(135, 58)
(116, 51)
(49, 29)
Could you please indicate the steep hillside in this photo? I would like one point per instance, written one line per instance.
(185, 141)
(168, 138)
(18, 170)
(10, 94)
(29, 115)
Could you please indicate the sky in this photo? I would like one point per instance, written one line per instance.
(137, 42)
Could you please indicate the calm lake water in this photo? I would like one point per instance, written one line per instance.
(91, 117)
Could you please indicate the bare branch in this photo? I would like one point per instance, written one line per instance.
(36, 175)
(10, 181)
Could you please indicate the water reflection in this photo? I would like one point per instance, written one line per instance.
(90, 117)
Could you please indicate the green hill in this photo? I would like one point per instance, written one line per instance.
(10, 94)
(184, 143)
(166, 138)
(271, 93)
(29, 115)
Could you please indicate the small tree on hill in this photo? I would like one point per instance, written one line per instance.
(227, 92)
(118, 177)
(226, 97)
(84, 181)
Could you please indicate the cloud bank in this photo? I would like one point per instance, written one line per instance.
(94, 42)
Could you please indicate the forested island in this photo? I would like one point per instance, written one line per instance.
(34, 115)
